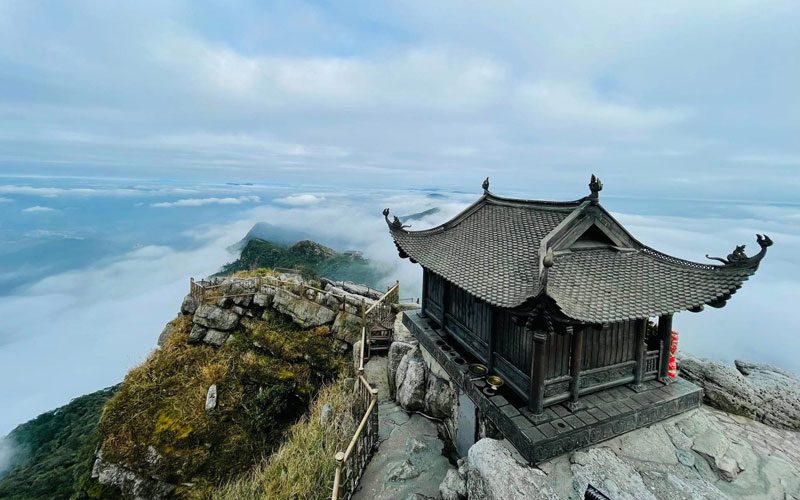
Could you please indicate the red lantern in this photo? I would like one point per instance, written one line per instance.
(672, 366)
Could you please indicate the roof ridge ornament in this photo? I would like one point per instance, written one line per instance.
(739, 257)
(595, 186)
(394, 224)
(485, 186)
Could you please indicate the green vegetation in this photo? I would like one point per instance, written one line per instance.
(55, 451)
(266, 375)
(303, 467)
(311, 258)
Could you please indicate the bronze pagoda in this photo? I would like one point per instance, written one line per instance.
(559, 299)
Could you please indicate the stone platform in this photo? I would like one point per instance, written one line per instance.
(601, 416)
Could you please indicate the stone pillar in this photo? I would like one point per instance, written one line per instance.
(665, 338)
(575, 367)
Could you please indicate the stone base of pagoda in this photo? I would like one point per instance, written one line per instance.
(558, 430)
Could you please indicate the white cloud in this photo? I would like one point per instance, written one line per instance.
(38, 209)
(92, 325)
(6, 453)
(52, 192)
(568, 104)
(300, 200)
(5, 200)
(768, 159)
(198, 202)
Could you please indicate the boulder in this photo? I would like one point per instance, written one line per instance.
(215, 317)
(493, 474)
(165, 333)
(440, 397)
(347, 327)
(453, 486)
(197, 333)
(130, 484)
(305, 313)
(396, 352)
(401, 333)
(189, 305)
(211, 398)
(215, 337)
(410, 381)
(758, 391)
(325, 414)
(262, 299)
(604, 470)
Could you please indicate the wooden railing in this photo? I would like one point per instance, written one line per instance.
(351, 462)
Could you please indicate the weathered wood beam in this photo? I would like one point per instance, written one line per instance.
(665, 339)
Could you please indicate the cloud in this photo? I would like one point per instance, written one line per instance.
(5, 200)
(92, 325)
(106, 191)
(6, 454)
(199, 202)
(300, 200)
(38, 209)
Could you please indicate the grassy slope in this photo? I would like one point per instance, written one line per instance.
(262, 392)
(313, 259)
(55, 450)
(303, 467)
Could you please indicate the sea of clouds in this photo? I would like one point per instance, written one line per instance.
(78, 331)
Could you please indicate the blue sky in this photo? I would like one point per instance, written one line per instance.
(682, 98)
(123, 126)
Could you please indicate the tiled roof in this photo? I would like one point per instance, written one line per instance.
(491, 250)
(605, 285)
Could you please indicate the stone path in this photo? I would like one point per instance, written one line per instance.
(409, 458)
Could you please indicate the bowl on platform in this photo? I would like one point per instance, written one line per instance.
(494, 382)
(478, 369)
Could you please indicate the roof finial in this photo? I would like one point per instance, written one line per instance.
(485, 185)
(595, 185)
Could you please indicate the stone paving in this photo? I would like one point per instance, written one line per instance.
(409, 458)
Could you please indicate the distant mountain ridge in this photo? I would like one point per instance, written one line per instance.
(311, 258)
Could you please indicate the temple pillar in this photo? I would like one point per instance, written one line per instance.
(665, 339)
(641, 353)
(424, 301)
(576, 362)
(538, 371)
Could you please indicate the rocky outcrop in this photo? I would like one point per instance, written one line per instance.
(758, 391)
(704, 454)
(493, 474)
(215, 317)
(306, 313)
(410, 381)
(396, 352)
(232, 299)
(440, 397)
(130, 484)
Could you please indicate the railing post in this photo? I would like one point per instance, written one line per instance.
(641, 354)
(337, 478)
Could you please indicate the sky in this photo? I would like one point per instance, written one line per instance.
(679, 98)
(139, 140)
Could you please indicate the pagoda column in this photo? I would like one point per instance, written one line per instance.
(538, 371)
(665, 338)
(641, 353)
(575, 366)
